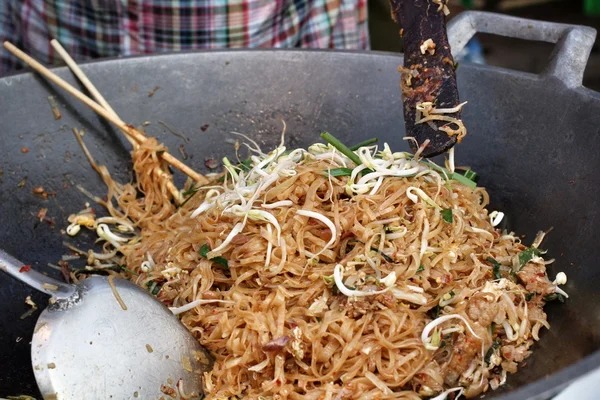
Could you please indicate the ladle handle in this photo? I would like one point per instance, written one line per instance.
(33, 278)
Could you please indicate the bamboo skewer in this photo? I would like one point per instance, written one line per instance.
(100, 99)
(127, 129)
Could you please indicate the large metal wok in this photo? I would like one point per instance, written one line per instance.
(533, 139)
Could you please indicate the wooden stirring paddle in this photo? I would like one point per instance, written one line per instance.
(429, 90)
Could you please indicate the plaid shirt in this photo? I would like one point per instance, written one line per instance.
(110, 28)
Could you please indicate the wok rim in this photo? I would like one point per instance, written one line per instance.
(542, 388)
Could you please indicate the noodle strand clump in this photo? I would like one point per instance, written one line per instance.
(310, 277)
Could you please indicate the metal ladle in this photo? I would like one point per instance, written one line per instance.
(87, 345)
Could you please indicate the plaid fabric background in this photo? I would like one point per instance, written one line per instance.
(108, 28)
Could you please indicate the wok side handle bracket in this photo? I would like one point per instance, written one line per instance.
(573, 42)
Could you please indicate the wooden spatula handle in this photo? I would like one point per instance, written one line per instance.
(432, 70)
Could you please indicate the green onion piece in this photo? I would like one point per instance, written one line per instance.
(470, 175)
(447, 215)
(420, 269)
(328, 280)
(340, 172)
(363, 144)
(496, 266)
(454, 176)
(463, 179)
(332, 140)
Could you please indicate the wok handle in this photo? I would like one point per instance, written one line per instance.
(570, 55)
(12, 266)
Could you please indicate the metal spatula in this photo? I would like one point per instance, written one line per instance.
(89, 345)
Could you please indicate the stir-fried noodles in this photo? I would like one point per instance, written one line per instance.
(310, 276)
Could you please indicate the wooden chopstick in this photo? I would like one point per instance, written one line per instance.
(127, 129)
(100, 99)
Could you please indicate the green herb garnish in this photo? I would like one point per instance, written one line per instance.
(420, 269)
(527, 255)
(204, 250)
(447, 215)
(363, 144)
(496, 265)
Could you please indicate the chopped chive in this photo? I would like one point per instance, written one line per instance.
(464, 180)
(385, 256)
(339, 172)
(332, 140)
(363, 143)
(555, 296)
(420, 269)
(128, 270)
(456, 176)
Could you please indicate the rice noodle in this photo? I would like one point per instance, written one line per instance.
(361, 291)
